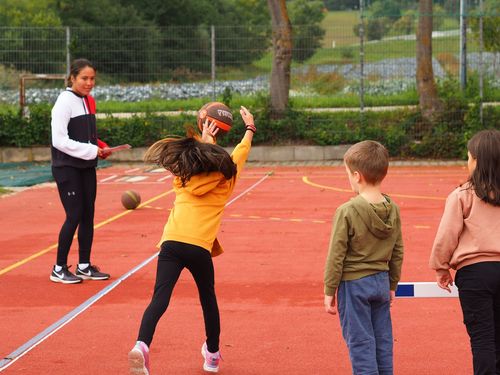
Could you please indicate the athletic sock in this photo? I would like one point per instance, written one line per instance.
(82, 266)
(57, 268)
(147, 347)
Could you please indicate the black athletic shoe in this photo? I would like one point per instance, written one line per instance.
(64, 276)
(92, 273)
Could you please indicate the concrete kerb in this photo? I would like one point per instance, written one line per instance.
(259, 155)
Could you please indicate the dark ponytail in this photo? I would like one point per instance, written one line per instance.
(187, 157)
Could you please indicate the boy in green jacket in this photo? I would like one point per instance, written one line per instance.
(364, 261)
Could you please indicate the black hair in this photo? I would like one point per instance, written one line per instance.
(76, 67)
(484, 147)
(186, 157)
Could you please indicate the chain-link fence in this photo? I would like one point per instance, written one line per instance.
(355, 60)
(354, 56)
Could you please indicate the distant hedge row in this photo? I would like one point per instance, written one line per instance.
(404, 133)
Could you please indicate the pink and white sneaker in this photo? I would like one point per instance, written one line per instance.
(138, 359)
(212, 360)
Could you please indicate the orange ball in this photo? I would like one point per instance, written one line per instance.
(216, 112)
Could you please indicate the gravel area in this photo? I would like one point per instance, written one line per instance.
(394, 76)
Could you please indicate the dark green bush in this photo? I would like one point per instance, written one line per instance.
(23, 132)
(404, 133)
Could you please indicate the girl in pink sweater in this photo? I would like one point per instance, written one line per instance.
(468, 240)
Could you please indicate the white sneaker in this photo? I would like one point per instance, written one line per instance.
(138, 359)
(212, 360)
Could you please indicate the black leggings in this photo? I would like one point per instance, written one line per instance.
(479, 291)
(173, 257)
(77, 190)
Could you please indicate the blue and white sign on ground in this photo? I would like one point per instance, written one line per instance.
(424, 290)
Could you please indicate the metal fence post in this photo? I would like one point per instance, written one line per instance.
(481, 65)
(212, 32)
(463, 44)
(361, 57)
(68, 55)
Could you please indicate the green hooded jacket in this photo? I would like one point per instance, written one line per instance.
(366, 239)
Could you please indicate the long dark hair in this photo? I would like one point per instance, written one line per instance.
(186, 157)
(76, 67)
(484, 146)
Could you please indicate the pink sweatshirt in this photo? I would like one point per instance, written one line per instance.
(469, 232)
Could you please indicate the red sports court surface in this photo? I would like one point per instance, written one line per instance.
(269, 280)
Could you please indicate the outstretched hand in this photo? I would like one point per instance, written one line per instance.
(246, 116)
(209, 131)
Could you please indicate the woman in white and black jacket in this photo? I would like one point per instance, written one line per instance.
(75, 148)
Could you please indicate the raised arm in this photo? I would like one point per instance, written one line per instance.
(249, 124)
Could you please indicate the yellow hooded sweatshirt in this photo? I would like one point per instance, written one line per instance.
(197, 213)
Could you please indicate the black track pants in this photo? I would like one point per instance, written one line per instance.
(173, 257)
(479, 292)
(77, 190)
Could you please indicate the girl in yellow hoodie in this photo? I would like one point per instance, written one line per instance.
(204, 178)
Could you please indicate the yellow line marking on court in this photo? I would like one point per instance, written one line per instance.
(306, 180)
(279, 219)
(421, 226)
(102, 223)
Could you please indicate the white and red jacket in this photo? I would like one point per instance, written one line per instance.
(74, 133)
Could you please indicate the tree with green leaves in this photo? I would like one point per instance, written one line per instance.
(23, 13)
(341, 4)
(306, 17)
(116, 38)
(242, 31)
(491, 25)
(37, 50)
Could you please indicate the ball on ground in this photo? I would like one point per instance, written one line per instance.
(130, 199)
(217, 112)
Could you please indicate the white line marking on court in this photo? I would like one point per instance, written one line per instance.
(133, 178)
(164, 178)
(109, 178)
(49, 331)
(133, 170)
(157, 170)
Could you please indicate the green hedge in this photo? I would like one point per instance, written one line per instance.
(405, 133)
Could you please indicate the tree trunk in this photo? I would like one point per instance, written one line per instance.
(429, 101)
(282, 57)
